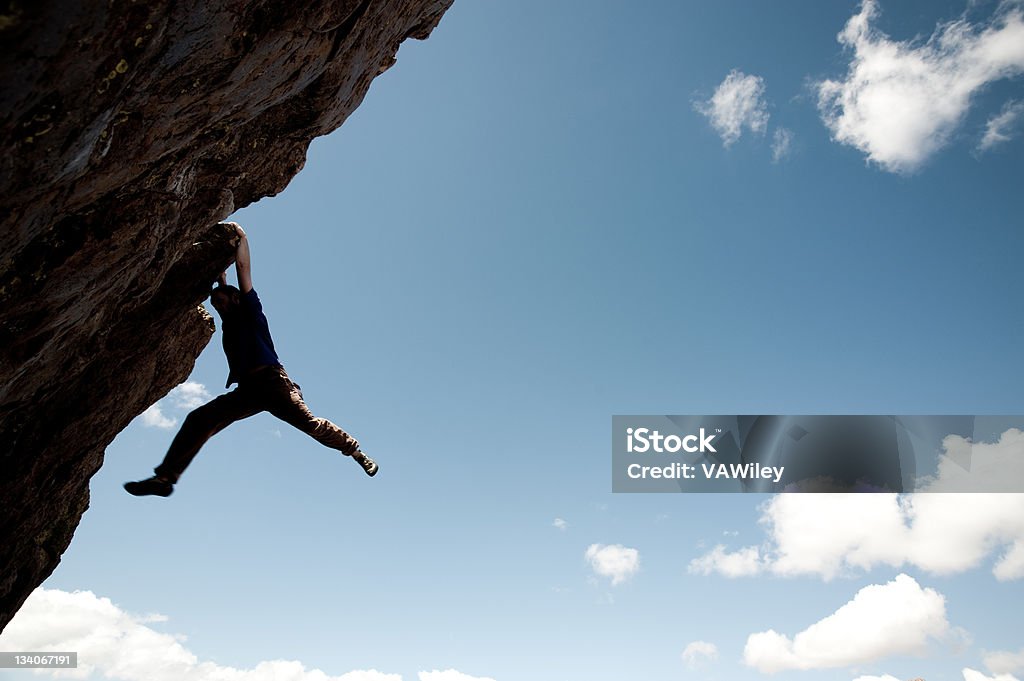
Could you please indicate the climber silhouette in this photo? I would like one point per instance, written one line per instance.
(263, 385)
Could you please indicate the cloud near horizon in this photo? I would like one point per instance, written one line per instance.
(974, 675)
(896, 618)
(901, 101)
(968, 674)
(1004, 662)
(450, 675)
(119, 645)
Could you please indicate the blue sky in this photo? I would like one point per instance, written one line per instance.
(541, 217)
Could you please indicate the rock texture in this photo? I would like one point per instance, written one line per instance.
(130, 128)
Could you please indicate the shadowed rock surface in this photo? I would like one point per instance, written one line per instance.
(129, 130)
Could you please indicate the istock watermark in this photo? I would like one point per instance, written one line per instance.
(817, 453)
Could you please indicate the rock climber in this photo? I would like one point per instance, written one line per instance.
(262, 382)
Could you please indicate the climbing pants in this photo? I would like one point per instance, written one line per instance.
(266, 389)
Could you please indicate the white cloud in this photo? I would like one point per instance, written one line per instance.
(189, 395)
(615, 561)
(560, 524)
(782, 144)
(697, 653)
(737, 103)
(118, 645)
(154, 417)
(897, 618)
(742, 563)
(1000, 128)
(993, 466)
(901, 101)
(450, 675)
(186, 396)
(973, 675)
(1003, 662)
(831, 534)
(884, 677)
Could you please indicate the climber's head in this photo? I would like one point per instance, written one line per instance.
(225, 298)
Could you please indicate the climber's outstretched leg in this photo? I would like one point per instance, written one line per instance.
(199, 426)
(284, 400)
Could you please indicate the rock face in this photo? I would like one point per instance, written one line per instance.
(130, 129)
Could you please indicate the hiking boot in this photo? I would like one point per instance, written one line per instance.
(368, 464)
(150, 486)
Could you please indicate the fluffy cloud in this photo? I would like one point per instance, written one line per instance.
(1000, 128)
(186, 396)
(614, 561)
(1003, 662)
(115, 644)
(742, 563)
(901, 101)
(897, 618)
(969, 675)
(450, 675)
(189, 395)
(972, 675)
(154, 417)
(993, 466)
(560, 524)
(698, 652)
(737, 103)
(827, 535)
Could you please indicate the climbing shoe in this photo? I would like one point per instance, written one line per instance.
(368, 464)
(150, 486)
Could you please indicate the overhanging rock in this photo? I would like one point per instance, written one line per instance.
(129, 130)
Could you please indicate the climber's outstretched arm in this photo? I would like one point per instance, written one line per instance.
(243, 264)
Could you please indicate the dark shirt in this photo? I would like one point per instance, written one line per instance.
(247, 341)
